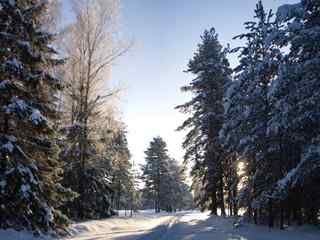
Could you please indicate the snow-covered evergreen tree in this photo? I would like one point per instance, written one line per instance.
(29, 169)
(164, 180)
(296, 94)
(176, 193)
(249, 96)
(206, 110)
(109, 182)
(272, 114)
(120, 175)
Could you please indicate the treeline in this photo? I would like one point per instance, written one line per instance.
(253, 131)
(63, 150)
(164, 181)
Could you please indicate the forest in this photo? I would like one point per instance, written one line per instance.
(253, 131)
(252, 134)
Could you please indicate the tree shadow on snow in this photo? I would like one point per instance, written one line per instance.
(221, 228)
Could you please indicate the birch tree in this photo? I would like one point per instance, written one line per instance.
(91, 46)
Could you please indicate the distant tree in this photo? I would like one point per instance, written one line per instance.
(121, 177)
(164, 180)
(176, 193)
(154, 170)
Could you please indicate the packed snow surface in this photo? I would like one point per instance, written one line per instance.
(121, 227)
(146, 225)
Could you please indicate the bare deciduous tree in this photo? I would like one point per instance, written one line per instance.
(91, 46)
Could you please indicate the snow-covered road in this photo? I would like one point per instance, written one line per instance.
(120, 228)
(184, 226)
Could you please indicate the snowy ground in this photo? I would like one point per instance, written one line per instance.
(119, 228)
(199, 226)
(184, 226)
(180, 226)
(14, 235)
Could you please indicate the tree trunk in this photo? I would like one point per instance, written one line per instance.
(281, 216)
(297, 214)
(235, 207)
(288, 213)
(230, 208)
(271, 217)
(250, 212)
(221, 193)
(119, 195)
(255, 216)
(214, 210)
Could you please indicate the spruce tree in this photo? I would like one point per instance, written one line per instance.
(29, 170)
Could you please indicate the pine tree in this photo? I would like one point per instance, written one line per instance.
(121, 178)
(109, 181)
(154, 170)
(30, 172)
(271, 114)
(164, 180)
(206, 109)
(296, 94)
(230, 136)
(259, 60)
(231, 174)
(176, 194)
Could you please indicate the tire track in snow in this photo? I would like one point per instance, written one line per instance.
(161, 232)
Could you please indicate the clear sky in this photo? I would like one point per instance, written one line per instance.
(165, 34)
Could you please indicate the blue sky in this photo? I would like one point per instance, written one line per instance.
(165, 35)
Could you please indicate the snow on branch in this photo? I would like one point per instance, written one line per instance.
(289, 11)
